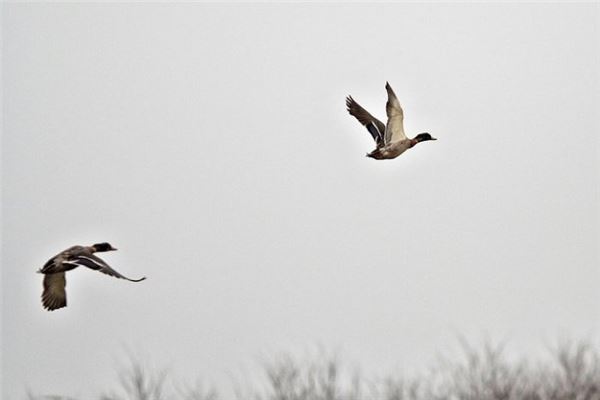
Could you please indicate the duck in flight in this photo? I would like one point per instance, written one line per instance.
(390, 139)
(54, 295)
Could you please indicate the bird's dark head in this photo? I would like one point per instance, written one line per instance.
(422, 137)
(103, 247)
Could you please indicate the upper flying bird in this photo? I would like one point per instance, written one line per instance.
(390, 139)
(54, 295)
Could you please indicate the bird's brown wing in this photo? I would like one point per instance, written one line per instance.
(375, 127)
(97, 264)
(54, 295)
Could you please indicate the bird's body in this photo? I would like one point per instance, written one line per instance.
(62, 261)
(392, 150)
(390, 139)
(54, 295)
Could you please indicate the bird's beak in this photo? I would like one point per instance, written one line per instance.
(433, 138)
(113, 249)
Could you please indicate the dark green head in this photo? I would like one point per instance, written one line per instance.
(104, 246)
(422, 137)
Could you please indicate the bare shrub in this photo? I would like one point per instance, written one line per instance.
(572, 373)
(288, 379)
(137, 383)
(575, 375)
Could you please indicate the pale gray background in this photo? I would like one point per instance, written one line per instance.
(211, 145)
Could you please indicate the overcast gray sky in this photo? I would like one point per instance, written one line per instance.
(211, 145)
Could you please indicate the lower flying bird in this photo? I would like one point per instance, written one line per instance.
(54, 295)
(390, 139)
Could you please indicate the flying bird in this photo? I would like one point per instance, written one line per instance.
(390, 139)
(54, 295)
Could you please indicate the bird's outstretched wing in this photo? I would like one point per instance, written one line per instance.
(394, 130)
(375, 127)
(54, 295)
(97, 264)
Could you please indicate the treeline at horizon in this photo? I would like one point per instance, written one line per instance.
(571, 372)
